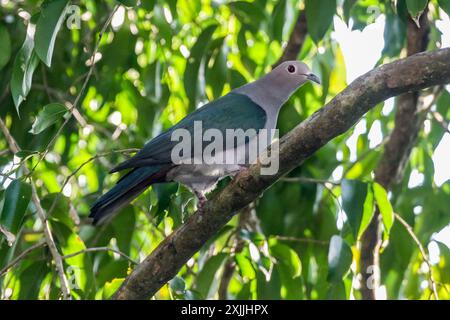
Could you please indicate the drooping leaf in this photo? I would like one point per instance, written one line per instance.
(354, 194)
(383, 203)
(319, 16)
(245, 266)
(194, 77)
(128, 3)
(394, 34)
(347, 7)
(48, 116)
(288, 257)
(278, 20)
(80, 270)
(207, 280)
(17, 196)
(250, 14)
(164, 193)
(416, 7)
(25, 63)
(445, 5)
(339, 259)
(5, 43)
(50, 20)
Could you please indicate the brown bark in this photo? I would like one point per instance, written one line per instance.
(394, 159)
(336, 117)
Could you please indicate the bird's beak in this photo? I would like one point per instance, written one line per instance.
(312, 77)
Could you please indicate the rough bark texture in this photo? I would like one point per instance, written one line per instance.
(340, 114)
(393, 161)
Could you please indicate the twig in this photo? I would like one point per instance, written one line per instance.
(10, 237)
(96, 249)
(424, 254)
(41, 214)
(22, 255)
(302, 240)
(309, 180)
(440, 119)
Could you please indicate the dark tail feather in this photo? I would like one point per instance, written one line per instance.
(127, 188)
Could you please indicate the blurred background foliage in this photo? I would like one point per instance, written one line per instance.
(156, 62)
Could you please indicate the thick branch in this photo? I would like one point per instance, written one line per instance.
(339, 115)
(394, 159)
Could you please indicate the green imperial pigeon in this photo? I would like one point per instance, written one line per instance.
(252, 106)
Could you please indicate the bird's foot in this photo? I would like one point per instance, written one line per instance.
(201, 201)
(239, 170)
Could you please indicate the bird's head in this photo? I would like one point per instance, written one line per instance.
(286, 78)
(295, 72)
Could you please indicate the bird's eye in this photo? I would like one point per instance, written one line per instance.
(291, 69)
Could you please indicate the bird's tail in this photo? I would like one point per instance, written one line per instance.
(127, 188)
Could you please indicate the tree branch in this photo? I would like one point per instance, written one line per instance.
(394, 159)
(21, 256)
(340, 114)
(424, 254)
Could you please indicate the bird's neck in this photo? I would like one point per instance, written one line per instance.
(267, 92)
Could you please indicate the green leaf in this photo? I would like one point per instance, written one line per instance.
(48, 116)
(177, 285)
(194, 79)
(339, 259)
(17, 197)
(354, 194)
(319, 17)
(337, 291)
(368, 212)
(207, 281)
(128, 3)
(124, 224)
(278, 20)
(347, 7)
(249, 13)
(245, 266)
(394, 34)
(387, 213)
(5, 43)
(288, 257)
(445, 5)
(25, 63)
(61, 209)
(416, 7)
(31, 279)
(50, 20)
(164, 193)
(80, 271)
(111, 287)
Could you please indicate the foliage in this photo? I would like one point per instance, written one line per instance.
(158, 62)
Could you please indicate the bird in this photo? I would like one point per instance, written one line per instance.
(252, 106)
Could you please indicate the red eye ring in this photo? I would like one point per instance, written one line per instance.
(291, 68)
